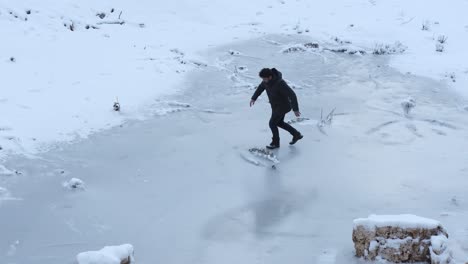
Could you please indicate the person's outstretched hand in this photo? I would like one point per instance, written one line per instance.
(252, 102)
(297, 113)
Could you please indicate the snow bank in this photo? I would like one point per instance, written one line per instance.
(122, 254)
(402, 221)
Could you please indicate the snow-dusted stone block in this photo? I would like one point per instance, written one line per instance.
(396, 238)
(122, 254)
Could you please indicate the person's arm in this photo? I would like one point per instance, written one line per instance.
(257, 93)
(289, 93)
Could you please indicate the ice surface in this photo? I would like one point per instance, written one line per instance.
(178, 189)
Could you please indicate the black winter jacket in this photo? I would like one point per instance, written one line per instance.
(282, 97)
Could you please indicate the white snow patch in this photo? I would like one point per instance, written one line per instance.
(403, 221)
(440, 252)
(396, 242)
(107, 255)
(373, 245)
(74, 184)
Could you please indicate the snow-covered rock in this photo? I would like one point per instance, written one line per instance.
(398, 238)
(440, 252)
(74, 184)
(122, 254)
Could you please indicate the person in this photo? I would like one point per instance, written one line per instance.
(282, 99)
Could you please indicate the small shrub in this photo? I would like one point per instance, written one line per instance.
(442, 39)
(381, 49)
(440, 47)
(425, 26)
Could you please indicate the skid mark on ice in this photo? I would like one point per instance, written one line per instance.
(179, 104)
(5, 128)
(386, 110)
(413, 129)
(286, 234)
(328, 256)
(379, 127)
(211, 111)
(440, 123)
(439, 132)
(62, 245)
(397, 143)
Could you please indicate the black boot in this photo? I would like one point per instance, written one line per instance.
(274, 144)
(296, 138)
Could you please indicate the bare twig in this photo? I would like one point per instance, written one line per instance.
(442, 39)
(440, 47)
(111, 22)
(406, 22)
(325, 121)
(425, 25)
(329, 118)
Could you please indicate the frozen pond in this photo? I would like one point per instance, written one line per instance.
(182, 187)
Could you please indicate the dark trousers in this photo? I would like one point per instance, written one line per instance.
(277, 120)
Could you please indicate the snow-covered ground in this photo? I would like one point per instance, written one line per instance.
(181, 184)
(63, 67)
(184, 188)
